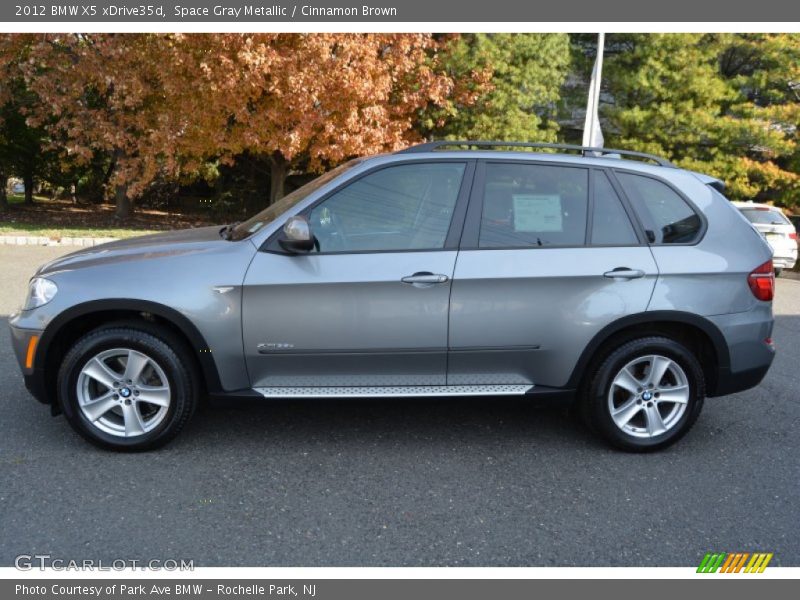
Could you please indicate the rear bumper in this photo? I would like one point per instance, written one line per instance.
(784, 262)
(732, 382)
(751, 356)
(784, 256)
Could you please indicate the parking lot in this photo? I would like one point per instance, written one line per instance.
(475, 482)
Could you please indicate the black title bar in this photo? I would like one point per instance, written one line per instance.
(474, 11)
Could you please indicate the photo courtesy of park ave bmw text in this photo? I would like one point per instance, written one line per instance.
(317, 300)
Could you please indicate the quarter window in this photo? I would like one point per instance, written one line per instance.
(532, 205)
(666, 216)
(404, 207)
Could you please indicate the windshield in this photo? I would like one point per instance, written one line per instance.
(765, 216)
(273, 211)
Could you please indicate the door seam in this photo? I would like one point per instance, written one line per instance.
(655, 283)
(449, 305)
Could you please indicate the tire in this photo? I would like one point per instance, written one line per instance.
(137, 415)
(778, 271)
(632, 413)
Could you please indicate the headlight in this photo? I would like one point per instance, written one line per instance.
(40, 292)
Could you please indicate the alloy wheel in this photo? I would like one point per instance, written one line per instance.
(123, 392)
(648, 396)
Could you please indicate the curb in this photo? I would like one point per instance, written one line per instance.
(791, 275)
(25, 240)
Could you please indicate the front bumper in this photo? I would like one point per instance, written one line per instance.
(26, 344)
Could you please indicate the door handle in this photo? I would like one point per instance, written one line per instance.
(424, 277)
(624, 273)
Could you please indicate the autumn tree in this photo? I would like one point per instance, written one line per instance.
(116, 95)
(166, 104)
(317, 99)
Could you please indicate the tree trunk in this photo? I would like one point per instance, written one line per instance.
(279, 170)
(122, 202)
(28, 181)
(3, 192)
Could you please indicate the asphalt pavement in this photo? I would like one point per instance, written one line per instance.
(463, 482)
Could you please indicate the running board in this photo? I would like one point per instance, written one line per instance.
(394, 391)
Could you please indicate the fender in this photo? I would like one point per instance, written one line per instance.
(197, 342)
(646, 318)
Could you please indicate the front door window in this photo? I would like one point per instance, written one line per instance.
(404, 207)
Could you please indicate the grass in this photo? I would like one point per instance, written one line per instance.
(55, 219)
(30, 229)
(16, 198)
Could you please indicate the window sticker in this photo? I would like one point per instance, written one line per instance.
(537, 212)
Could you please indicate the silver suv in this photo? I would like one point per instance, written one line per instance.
(611, 279)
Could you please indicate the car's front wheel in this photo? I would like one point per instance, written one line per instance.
(127, 388)
(645, 394)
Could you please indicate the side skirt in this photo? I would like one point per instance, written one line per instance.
(418, 391)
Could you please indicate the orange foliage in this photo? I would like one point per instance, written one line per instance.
(165, 104)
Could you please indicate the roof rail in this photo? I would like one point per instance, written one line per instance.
(584, 150)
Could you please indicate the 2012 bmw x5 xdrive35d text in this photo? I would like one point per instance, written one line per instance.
(609, 278)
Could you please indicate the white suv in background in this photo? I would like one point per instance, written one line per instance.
(777, 229)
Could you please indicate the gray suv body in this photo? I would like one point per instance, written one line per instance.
(633, 290)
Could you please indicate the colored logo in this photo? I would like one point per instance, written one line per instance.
(734, 562)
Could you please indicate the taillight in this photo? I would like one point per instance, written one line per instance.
(762, 281)
(793, 235)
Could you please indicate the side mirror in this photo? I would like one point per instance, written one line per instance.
(297, 237)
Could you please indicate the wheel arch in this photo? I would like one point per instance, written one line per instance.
(701, 335)
(74, 322)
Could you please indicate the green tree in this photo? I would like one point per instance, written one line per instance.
(716, 103)
(527, 72)
(765, 69)
(23, 147)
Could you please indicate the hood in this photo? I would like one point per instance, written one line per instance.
(168, 243)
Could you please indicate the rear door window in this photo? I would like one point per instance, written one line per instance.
(533, 205)
(610, 223)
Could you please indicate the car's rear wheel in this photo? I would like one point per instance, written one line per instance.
(127, 388)
(778, 271)
(645, 394)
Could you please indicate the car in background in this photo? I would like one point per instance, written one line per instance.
(777, 229)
